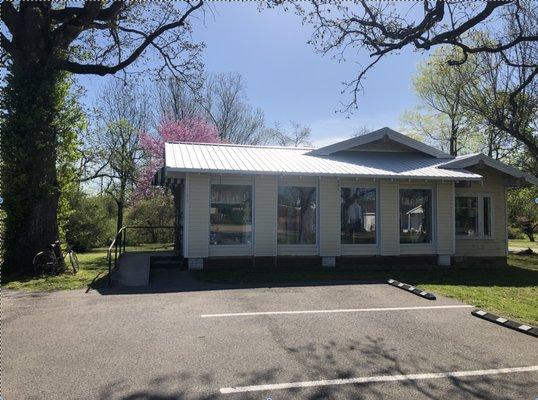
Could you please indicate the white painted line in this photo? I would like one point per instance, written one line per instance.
(423, 293)
(349, 310)
(411, 288)
(379, 378)
(481, 312)
(400, 284)
(525, 327)
(501, 320)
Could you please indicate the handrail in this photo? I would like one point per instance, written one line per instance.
(121, 243)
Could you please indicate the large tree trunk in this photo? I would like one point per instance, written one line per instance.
(29, 135)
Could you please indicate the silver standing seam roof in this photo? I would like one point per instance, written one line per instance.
(270, 160)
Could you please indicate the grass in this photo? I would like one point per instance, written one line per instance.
(93, 268)
(524, 243)
(93, 265)
(508, 291)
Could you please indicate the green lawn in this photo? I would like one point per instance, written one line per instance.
(525, 243)
(93, 268)
(93, 265)
(510, 291)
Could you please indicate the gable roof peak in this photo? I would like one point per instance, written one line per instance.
(380, 134)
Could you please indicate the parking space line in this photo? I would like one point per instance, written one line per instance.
(374, 379)
(349, 310)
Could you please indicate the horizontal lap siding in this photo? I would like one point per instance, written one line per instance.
(329, 217)
(265, 197)
(197, 210)
(389, 218)
(445, 218)
(496, 245)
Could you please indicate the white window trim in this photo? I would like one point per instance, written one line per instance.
(433, 240)
(480, 205)
(228, 182)
(286, 247)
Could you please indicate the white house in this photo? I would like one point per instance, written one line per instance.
(380, 195)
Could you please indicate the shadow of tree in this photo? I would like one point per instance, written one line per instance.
(371, 357)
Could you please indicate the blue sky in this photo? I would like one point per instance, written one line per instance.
(288, 80)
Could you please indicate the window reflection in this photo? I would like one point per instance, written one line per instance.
(231, 214)
(415, 216)
(358, 209)
(296, 215)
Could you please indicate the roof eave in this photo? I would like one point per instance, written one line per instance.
(475, 177)
(377, 135)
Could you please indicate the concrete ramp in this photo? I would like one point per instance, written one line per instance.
(133, 269)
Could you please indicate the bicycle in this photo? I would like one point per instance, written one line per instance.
(52, 261)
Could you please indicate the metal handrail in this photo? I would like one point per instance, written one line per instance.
(120, 245)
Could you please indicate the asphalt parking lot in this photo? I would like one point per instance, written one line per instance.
(360, 341)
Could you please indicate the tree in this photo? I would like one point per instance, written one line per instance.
(445, 117)
(92, 222)
(169, 130)
(383, 28)
(113, 146)
(523, 210)
(225, 105)
(300, 136)
(440, 88)
(177, 101)
(41, 42)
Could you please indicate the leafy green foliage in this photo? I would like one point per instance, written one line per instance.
(91, 223)
(152, 212)
(523, 210)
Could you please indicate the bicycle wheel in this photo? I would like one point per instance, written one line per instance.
(74, 261)
(45, 263)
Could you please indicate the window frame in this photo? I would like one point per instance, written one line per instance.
(252, 214)
(433, 200)
(377, 225)
(480, 206)
(315, 245)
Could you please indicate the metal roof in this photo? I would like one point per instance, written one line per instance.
(266, 160)
(381, 134)
(470, 160)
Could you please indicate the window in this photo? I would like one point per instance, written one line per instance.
(486, 216)
(231, 214)
(415, 216)
(296, 215)
(473, 216)
(357, 215)
(466, 216)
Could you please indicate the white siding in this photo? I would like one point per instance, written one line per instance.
(389, 221)
(197, 215)
(496, 246)
(445, 218)
(265, 212)
(329, 217)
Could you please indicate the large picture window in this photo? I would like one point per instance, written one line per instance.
(296, 215)
(473, 216)
(415, 216)
(358, 208)
(231, 214)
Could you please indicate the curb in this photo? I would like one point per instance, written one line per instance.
(412, 289)
(517, 326)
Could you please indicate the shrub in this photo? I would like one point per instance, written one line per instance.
(92, 222)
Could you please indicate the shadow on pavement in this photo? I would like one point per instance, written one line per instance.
(371, 357)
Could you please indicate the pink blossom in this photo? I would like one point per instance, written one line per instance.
(169, 130)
